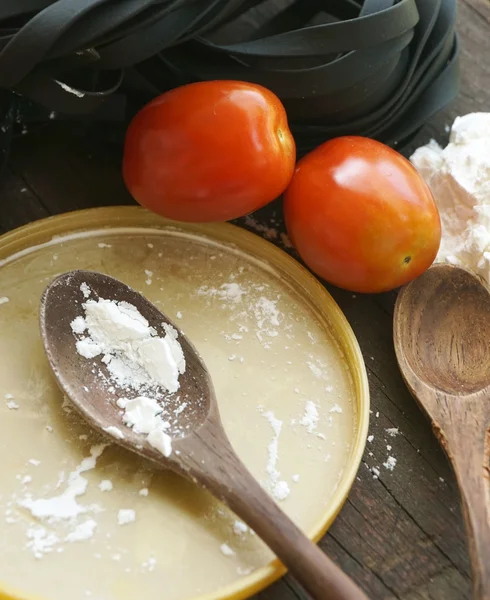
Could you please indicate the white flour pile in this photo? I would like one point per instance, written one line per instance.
(137, 360)
(459, 178)
(134, 354)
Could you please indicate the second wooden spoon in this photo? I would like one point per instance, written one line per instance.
(442, 343)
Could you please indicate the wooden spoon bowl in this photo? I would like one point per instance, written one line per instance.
(88, 390)
(442, 343)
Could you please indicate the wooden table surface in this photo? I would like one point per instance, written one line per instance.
(401, 535)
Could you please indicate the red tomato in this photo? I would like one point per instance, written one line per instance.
(209, 151)
(361, 216)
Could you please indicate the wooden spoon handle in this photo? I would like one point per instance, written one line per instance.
(319, 576)
(468, 446)
(222, 473)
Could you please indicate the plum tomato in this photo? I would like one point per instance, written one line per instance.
(361, 216)
(209, 151)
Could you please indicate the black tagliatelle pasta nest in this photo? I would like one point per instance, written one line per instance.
(378, 68)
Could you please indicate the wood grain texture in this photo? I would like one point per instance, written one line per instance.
(19, 204)
(482, 7)
(400, 535)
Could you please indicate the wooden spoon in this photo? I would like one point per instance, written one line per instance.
(442, 343)
(204, 454)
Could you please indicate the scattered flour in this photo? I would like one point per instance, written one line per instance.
(115, 432)
(161, 441)
(310, 417)
(267, 313)
(239, 528)
(227, 292)
(82, 532)
(226, 550)
(273, 447)
(78, 325)
(125, 516)
(286, 241)
(4, 300)
(392, 431)
(150, 564)
(63, 508)
(143, 415)
(269, 233)
(85, 290)
(317, 372)
(66, 506)
(41, 541)
(106, 485)
(262, 310)
(390, 463)
(12, 405)
(143, 492)
(280, 489)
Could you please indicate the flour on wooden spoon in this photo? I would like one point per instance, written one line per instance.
(137, 360)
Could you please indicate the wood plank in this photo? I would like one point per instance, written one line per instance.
(19, 205)
(69, 173)
(482, 7)
(448, 584)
